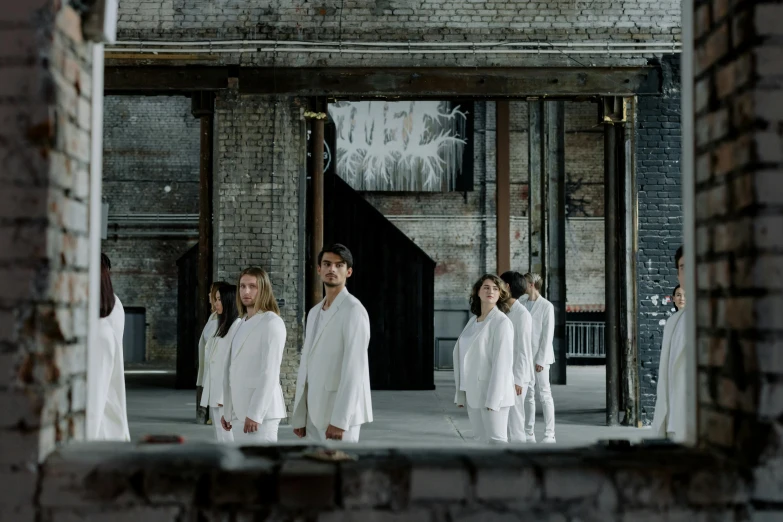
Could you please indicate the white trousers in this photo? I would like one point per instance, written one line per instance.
(316, 435)
(267, 432)
(544, 392)
(516, 416)
(221, 435)
(489, 426)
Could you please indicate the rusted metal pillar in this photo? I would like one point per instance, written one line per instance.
(317, 209)
(555, 287)
(629, 387)
(612, 273)
(503, 187)
(537, 180)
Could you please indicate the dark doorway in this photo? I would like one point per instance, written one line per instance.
(134, 339)
(188, 327)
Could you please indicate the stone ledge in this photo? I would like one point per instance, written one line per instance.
(594, 482)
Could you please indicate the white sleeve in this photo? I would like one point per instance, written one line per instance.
(356, 334)
(101, 365)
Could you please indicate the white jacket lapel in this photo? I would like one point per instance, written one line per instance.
(245, 334)
(322, 327)
(482, 326)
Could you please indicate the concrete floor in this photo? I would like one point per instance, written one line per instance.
(401, 417)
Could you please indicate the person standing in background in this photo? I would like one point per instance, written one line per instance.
(524, 372)
(483, 359)
(669, 419)
(252, 393)
(206, 334)
(216, 353)
(543, 314)
(333, 383)
(107, 414)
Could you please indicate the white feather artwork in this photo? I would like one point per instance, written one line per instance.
(399, 146)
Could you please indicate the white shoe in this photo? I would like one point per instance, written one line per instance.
(531, 439)
(548, 440)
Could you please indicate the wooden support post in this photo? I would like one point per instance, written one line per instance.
(536, 206)
(503, 187)
(555, 288)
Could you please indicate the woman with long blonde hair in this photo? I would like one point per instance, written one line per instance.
(253, 398)
(483, 359)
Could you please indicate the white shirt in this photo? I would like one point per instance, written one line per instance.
(529, 305)
(467, 338)
(677, 344)
(321, 318)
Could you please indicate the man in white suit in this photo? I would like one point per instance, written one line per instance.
(543, 314)
(669, 419)
(333, 386)
(524, 374)
(253, 398)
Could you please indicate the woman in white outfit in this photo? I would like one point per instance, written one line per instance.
(543, 313)
(252, 393)
(107, 415)
(483, 358)
(208, 332)
(216, 353)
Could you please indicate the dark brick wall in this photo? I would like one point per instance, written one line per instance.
(660, 222)
(150, 143)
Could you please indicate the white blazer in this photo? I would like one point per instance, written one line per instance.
(206, 334)
(543, 314)
(524, 368)
(333, 384)
(251, 382)
(107, 414)
(663, 419)
(215, 354)
(489, 380)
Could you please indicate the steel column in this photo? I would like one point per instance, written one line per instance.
(612, 275)
(503, 187)
(555, 287)
(537, 180)
(317, 203)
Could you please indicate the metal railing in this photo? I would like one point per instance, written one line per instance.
(585, 339)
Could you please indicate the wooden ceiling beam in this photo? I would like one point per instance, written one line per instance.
(361, 82)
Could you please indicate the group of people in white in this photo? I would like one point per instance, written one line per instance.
(501, 361)
(241, 351)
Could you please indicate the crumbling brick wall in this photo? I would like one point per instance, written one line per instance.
(738, 103)
(45, 122)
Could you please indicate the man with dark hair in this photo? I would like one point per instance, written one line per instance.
(333, 386)
(524, 374)
(670, 402)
